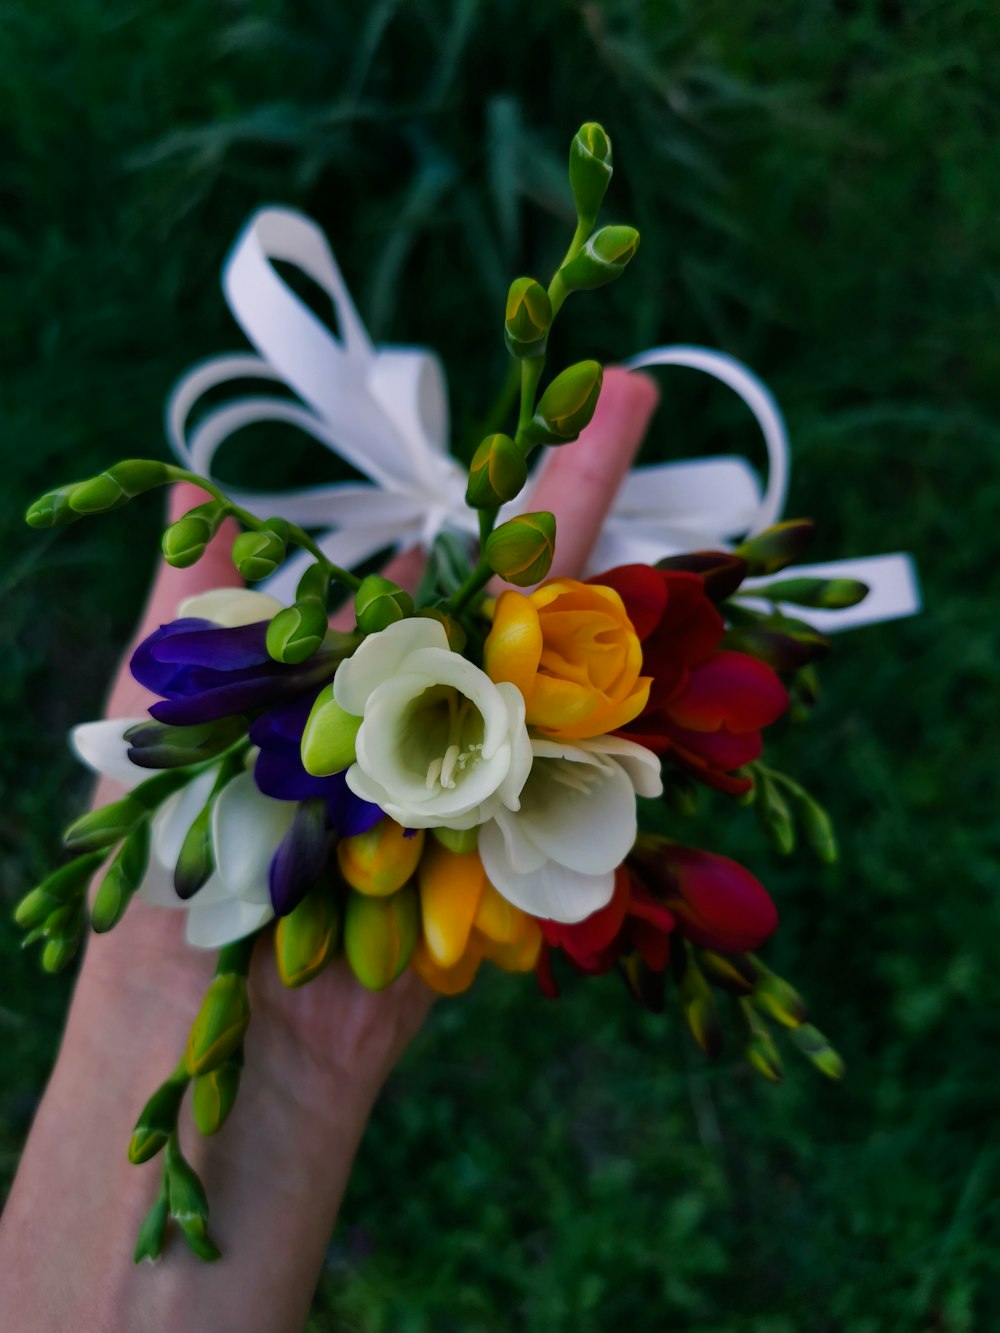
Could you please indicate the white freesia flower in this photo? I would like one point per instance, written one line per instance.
(440, 745)
(247, 828)
(556, 856)
(230, 607)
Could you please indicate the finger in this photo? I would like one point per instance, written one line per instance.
(579, 481)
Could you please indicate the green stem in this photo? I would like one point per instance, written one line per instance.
(296, 535)
(479, 578)
(235, 957)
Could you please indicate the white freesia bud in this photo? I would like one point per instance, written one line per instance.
(439, 744)
(556, 855)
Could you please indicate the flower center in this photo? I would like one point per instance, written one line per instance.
(444, 737)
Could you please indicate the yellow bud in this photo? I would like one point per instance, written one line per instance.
(380, 861)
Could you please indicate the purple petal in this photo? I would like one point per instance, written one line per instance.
(300, 858)
(220, 648)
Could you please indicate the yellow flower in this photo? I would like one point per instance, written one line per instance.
(571, 650)
(465, 920)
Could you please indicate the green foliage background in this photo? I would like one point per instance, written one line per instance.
(817, 188)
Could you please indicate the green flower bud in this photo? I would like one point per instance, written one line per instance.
(379, 603)
(63, 886)
(109, 824)
(314, 583)
(777, 546)
(221, 1024)
(184, 542)
(773, 814)
(773, 996)
(815, 1047)
(568, 404)
(152, 1231)
(830, 594)
(774, 644)
(601, 259)
(760, 1049)
(187, 1202)
(497, 473)
(734, 973)
(117, 485)
(528, 318)
(817, 826)
(521, 549)
(196, 859)
(52, 510)
(459, 841)
(589, 169)
(159, 745)
(328, 737)
(124, 876)
(297, 631)
(157, 1120)
(215, 1094)
(380, 935)
(61, 948)
(700, 1008)
(257, 555)
(306, 939)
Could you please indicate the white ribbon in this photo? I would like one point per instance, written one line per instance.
(384, 411)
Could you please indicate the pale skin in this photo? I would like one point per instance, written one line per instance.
(316, 1058)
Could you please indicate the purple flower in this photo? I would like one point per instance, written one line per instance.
(204, 671)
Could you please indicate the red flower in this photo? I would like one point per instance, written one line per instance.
(716, 903)
(707, 705)
(634, 919)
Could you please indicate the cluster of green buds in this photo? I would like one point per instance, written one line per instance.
(759, 999)
(785, 809)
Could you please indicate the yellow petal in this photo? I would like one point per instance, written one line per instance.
(605, 719)
(521, 954)
(445, 980)
(451, 885)
(514, 644)
(498, 919)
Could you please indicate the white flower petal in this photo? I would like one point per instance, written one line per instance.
(157, 887)
(522, 854)
(580, 815)
(641, 765)
(102, 747)
(230, 607)
(521, 754)
(552, 891)
(176, 815)
(214, 926)
(380, 656)
(247, 827)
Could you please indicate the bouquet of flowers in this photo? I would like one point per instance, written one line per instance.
(459, 773)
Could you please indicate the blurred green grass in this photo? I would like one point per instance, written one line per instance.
(816, 186)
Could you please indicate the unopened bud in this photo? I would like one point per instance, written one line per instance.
(117, 485)
(773, 996)
(379, 603)
(815, 1047)
(188, 1204)
(829, 594)
(459, 841)
(52, 510)
(780, 651)
(381, 860)
(328, 739)
(528, 318)
(720, 571)
(63, 886)
(589, 169)
(497, 473)
(297, 631)
(215, 1094)
(760, 1050)
(157, 1120)
(152, 1231)
(700, 1009)
(221, 1024)
(777, 546)
(773, 814)
(457, 637)
(196, 859)
(380, 935)
(601, 259)
(818, 828)
(307, 938)
(124, 876)
(159, 745)
(568, 404)
(521, 549)
(731, 972)
(257, 555)
(64, 941)
(185, 541)
(646, 986)
(105, 826)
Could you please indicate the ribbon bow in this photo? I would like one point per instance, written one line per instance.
(384, 411)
